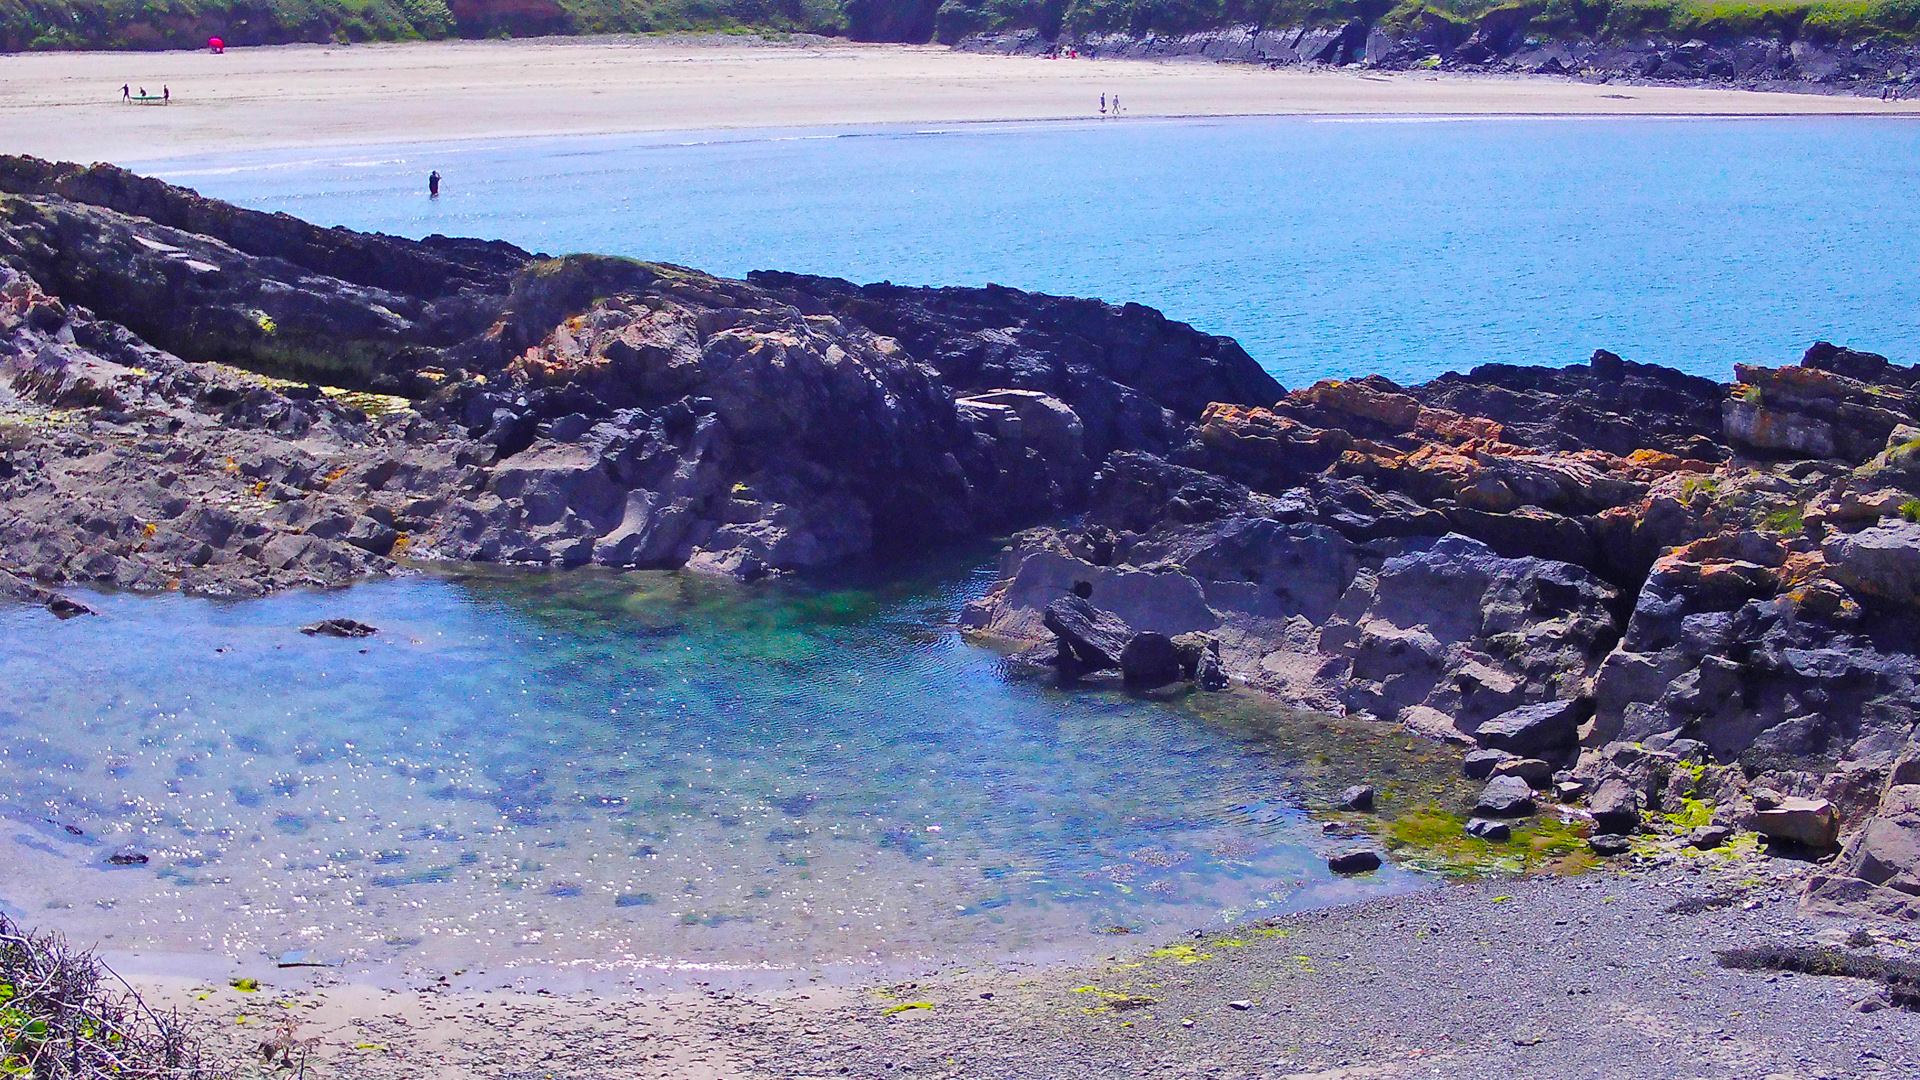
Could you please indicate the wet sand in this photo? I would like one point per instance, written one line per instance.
(68, 105)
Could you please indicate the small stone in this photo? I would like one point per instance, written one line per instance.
(340, 628)
(1480, 763)
(1505, 796)
(1608, 845)
(1497, 832)
(1242, 1005)
(1186, 1023)
(1359, 797)
(1359, 861)
(1708, 837)
(127, 858)
(1569, 790)
(1873, 1002)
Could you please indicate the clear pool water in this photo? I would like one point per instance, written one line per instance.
(622, 771)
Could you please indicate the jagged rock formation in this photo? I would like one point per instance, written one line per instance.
(161, 356)
(1715, 586)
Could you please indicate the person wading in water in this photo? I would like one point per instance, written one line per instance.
(433, 184)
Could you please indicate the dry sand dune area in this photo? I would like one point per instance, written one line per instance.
(69, 105)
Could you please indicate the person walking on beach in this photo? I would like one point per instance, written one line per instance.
(166, 96)
(1103, 104)
(1116, 104)
(126, 92)
(433, 184)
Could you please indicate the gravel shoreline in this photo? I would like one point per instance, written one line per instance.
(1608, 974)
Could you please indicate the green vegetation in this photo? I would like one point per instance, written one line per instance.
(1789, 521)
(1677, 20)
(62, 1019)
(1910, 510)
(1432, 839)
(187, 24)
(180, 24)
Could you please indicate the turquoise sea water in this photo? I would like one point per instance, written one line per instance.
(1327, 246)
(638, 772)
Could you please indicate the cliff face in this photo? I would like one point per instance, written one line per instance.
(555, 411)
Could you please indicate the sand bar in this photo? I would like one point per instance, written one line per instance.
(68, 105)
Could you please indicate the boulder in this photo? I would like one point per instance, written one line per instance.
(1505, 796)
(1616, 806)
(1549, 728)
(1091, 638)
(1479, 764)
(1881, 562)
(1708, 837)
(1200, 660)
(1810, 823)
(1149, 660)
(1609, 845)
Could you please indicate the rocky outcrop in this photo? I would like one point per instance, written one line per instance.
(1523, 38)
(1610, 578)
(550, 411)
(1615, 582)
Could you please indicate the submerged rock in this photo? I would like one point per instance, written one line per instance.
(340, 628)
(1354, 862)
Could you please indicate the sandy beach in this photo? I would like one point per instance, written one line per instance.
(68, 105)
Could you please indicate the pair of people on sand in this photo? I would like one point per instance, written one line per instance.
(1103, 104)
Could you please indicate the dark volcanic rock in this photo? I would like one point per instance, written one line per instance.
(1112, 364)
(1551, 727)
(1616, 807)
(1149, 660)
(1505, 796)
(1607, 404)
(1354, 862)
(1358, 798)
(1093, 639)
